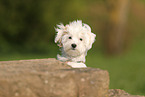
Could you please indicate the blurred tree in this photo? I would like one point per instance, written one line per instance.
(29, 24)
(20, 24)
(115, 34)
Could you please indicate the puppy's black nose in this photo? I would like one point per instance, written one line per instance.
(74, 45)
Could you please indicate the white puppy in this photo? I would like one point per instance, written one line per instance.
(75, 39)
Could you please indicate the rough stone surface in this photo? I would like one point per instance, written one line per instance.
(120, 93)
(50, 78)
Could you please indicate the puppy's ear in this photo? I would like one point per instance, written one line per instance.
(61, 30)
(87, 27)
(91, 40)
(90, 36)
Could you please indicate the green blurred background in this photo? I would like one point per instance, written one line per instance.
(27, 32)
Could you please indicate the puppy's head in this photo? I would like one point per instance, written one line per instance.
(75, 38)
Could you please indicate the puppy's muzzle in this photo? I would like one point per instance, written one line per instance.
(73, 46)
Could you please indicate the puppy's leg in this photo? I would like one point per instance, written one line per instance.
(77, 65)
(63, 59)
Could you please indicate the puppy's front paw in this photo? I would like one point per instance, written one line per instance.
(77, 65)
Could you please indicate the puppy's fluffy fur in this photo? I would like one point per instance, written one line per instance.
(75, 39)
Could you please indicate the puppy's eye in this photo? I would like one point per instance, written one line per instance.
(70, 37)
(81, 39)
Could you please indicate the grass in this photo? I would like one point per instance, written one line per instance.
(126, 71)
